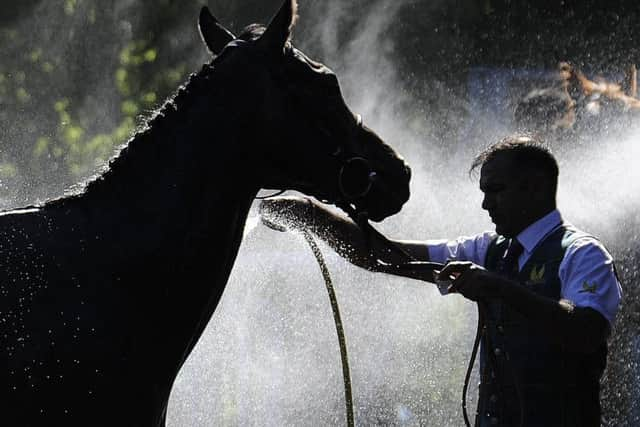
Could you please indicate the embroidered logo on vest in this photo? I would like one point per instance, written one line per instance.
(537, 275)
(588, 287)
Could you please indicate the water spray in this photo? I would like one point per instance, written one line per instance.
(407, 264)
(333, 300)
(370, 233)
(444, 285)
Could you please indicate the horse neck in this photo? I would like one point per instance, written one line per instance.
(183, 166)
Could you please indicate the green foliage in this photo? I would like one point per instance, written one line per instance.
(78, 88)
(70, 6)
(77, 78)
(7, 170)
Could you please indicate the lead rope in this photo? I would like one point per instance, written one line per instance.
(348, 397)
(472, 361)
(476, 342)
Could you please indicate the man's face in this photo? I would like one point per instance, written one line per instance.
(507, 196)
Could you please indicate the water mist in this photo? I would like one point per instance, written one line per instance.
(270, 355)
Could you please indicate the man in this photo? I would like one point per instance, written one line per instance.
(547, 292)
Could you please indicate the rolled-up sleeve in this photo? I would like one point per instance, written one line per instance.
(464, 248)
(588, 278)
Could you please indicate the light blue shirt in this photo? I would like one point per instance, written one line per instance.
(586, 272)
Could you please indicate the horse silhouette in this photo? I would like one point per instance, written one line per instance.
(104, 293)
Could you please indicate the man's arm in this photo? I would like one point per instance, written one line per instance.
(364, 249)
(580, 329)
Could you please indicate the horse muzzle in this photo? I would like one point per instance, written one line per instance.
(366, 191)
(374, 180)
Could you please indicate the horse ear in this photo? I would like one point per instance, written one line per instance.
(214, 35)
(279, 29)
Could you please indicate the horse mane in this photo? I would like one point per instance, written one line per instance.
(162, 118)
(143, 143)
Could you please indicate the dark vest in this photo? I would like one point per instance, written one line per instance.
(522, 370)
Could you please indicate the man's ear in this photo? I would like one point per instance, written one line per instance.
(528, 183)
(279, 30)
(538, 185)
(214, 35)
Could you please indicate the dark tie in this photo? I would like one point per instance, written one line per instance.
(508, 265)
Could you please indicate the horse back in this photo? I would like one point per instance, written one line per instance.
(64, 322)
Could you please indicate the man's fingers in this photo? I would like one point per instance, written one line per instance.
(454, 269)
(280, 203)
(282, 213)
(454, 272)
(272, 225)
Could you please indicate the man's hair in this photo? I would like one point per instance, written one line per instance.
(525, 152)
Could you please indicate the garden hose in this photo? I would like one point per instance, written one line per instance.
(346, 375)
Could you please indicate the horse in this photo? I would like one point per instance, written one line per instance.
(105, 292)
(574, 102)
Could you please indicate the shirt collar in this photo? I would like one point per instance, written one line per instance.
(531, 236)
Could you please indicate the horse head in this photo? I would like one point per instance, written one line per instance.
(309, 139)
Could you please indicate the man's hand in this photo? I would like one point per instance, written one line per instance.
(472, 281)
(286, 213)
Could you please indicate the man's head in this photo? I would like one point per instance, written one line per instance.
(519, 178)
